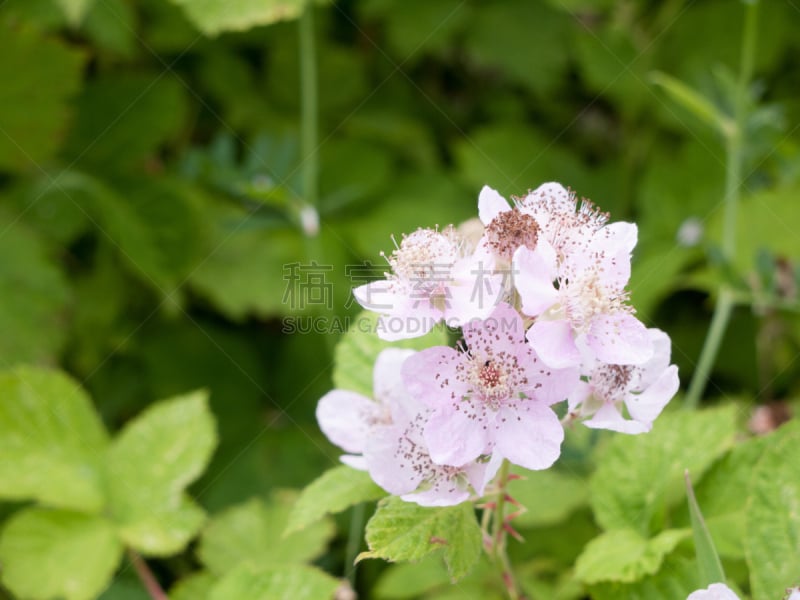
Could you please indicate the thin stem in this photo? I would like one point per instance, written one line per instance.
(354, 542)
(734, 144)
(499, 535)
(146, 576)
(308, 103)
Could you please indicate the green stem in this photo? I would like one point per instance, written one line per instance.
(146, 576)
(354, 537)
(306, 208)
(734, 144)
(499, 535)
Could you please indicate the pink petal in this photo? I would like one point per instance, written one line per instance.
(475, 289)
(529, 437)
(504, 321)
(479, 474)
(388, 385)
(344, 417)
(645, 407)
(534, 273)
(356, 461)
(619, 339)
(490, 204)
(391, 469)
(448, 495)
(579, 395)
(554, 343)
(430, 376)
(608, 417)
(453, 438)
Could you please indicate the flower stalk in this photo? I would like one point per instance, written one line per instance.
(734, 146)
(149, 581)
(500, 529)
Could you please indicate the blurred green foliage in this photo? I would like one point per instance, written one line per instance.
(150, 201)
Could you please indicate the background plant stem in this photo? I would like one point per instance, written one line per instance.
(733, 183)
(146, 576)
(499, 535)
(309, 123)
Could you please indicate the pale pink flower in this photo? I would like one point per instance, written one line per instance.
(349, 419)
(492, 397)
(432, 278)
(643, 390)
(716, 591)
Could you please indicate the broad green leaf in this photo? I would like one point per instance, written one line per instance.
(123, 119)
(692, 101)
(75, 10)
(39, 76)
(772, 516)
(52, 442)
(624, 491)
(34, 298)
(624, 555)
(406, 531)
(58, 554)
(150, 463)
(332, 492)
(254, 532)
(196, 586)
(708, 562)
(536, 60)
(548, 497)
(355, 354)
(676, 579)
(215, 16)
(285, 582)
(723, 492)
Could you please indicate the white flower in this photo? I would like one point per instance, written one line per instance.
(716, 591)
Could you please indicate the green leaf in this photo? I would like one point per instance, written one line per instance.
(708, 561)
(624, 555)
(123, 119)
(34, 298)
(39, 76)
(253, 532)
(624, 493)
(355, 354)
(548, 497)
(150, 464)
(406, 531)
(695, 103)
(215, 16)
(332, 492)
(772, 516)
(75, 10)
(723, 494)
(676, 579)
(196, 586)
(52, 442)
(56, 553)
(286, 582)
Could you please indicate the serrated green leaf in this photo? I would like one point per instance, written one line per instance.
(624, 555)
(708, 562)
(39, 76)
(355, 354)
(772, 516)
(253, 532)
(548, 496)
(722, 495)
(692, 101)
(286, 582)
(675, 580)
(215, 16)
(34, 298)
(55, 553)
(75, 10)
(196, 586)
(52, 442)
(150, 464)
(624, 493)
(332, 492)
(405, 531)
(122, 119)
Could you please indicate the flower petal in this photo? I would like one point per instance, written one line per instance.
(388, 385)
(534, 273)
(645, 407)
(619, 339)
(530, 437)
(391, 468)
(608, 417)
(554, 343)
(345, 418)
(453, 438)
(430, 376)
(490, 204)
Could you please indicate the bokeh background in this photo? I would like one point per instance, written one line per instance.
(155, 233)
